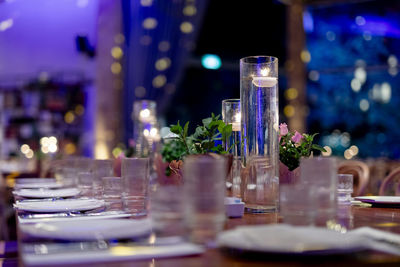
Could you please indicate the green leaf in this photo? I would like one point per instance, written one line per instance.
(206, 122)
(185, 129)
(317, 147)
(176, 129)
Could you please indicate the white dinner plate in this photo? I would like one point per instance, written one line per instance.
(62, 205)
(51, 184)
(34, 180)
(101, 229)
(46, 192)
(380, 200)
(293, 240)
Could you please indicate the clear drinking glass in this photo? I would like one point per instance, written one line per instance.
(345, 188)
(259, 127)
(297, 205)
(320, 175)
(112, 193)
(204, 194)
(167, 210)
(231, 115)
(85, 183)
(101, 168)
(135, 175)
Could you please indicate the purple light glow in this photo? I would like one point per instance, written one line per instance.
(42, 36)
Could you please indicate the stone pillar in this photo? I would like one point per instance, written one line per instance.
(108, 115)
(295, 67)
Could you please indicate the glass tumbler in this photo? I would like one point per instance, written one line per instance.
(204, 194)
(345, 188)
(259, 128)
(135, 176)
(231, 115)
(101, 168)
(112, 193)
(85, 183)
(297, 206)
(319, 174)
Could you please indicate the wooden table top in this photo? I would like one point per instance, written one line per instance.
(387, 219)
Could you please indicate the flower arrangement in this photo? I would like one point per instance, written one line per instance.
(293, 146)
(207, 139)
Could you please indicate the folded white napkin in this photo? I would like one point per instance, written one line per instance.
(282, 238)
(380, 240)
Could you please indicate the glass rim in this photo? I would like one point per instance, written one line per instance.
(345, 175)
(268, 60)
(135, 159)
(231, 100)
(319, 158)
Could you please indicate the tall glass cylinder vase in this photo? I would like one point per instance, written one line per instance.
(231, 115)
(259, 129)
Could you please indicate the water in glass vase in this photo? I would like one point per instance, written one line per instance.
(233, 146)
(259, 107)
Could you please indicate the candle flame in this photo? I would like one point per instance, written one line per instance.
(264, 72)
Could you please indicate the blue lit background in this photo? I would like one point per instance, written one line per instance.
(353, 80)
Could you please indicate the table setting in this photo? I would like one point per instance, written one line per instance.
(240, 183)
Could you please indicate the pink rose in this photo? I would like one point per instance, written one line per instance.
(283, 129)
(297, 137)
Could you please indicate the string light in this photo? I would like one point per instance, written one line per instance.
(328, 151)
(117, 52)
(291, 93)
(140, 91)
(149, 23)
(364, 105)
(119, 38)
(305, 56)
(313, 75)
(189, 10)
(162, 64)
(70, 148)
(79, 110)
(164, 46)
(360, 20)
(289, 111)
(159, 81)
(69, 117)
(347, 154)
(29, 154)
(116, 68)
(354, 150)
(186, 27)
(145, 40)
(25, 148)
